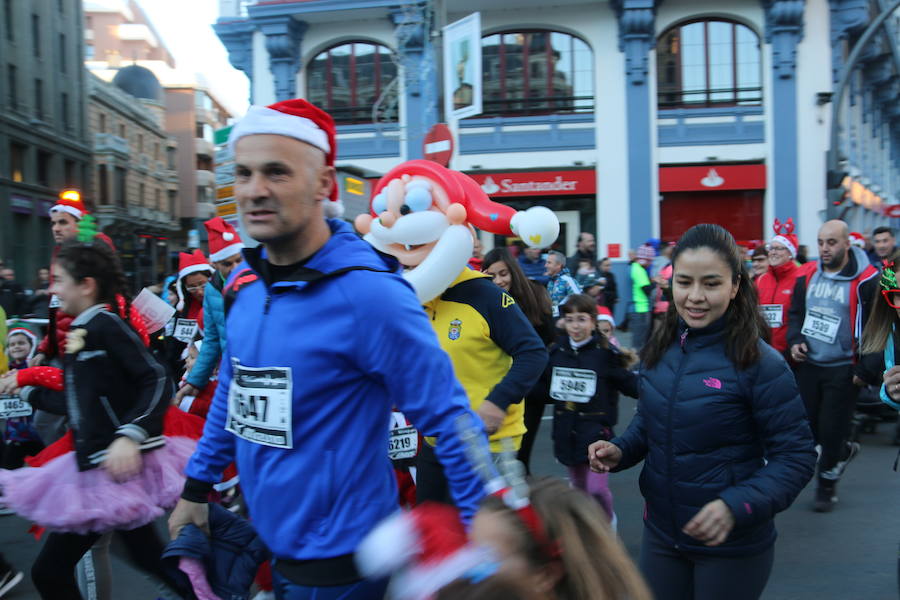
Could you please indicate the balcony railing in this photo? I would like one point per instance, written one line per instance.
(536, 105)
(107, 142)
(735, 96)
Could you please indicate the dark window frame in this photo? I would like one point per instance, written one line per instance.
(62, 53)
(528, 104)
(39, 98)
(666, 98)
(355, 113)
(12, 80)
(10, 20)
(36, 34)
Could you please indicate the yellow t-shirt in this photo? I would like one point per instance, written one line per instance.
(474, 321)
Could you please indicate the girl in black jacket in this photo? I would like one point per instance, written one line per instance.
(123, 472)
(585, 375)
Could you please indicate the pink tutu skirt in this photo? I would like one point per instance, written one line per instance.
(61, 498)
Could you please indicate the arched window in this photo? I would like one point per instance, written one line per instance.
(708, 63)
(536, 72)
(347, 80)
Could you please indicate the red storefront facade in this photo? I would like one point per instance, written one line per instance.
(732, 196)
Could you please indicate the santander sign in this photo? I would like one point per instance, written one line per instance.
(541, 183)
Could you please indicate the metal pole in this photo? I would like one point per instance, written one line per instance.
(832, 157)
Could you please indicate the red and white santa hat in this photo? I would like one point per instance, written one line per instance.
(224, 240)
(425, 549)
(296, 119)
(604, 314)
(32, 338)
(857, 239)
(70, 202)
(784, 235)
(195, 262)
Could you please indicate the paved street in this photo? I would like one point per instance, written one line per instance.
(850, 554)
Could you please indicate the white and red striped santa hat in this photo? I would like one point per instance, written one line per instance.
(195, 262)
(70, 202)
(224, 240)
(604, 314)
(784, 235)
(296, 119)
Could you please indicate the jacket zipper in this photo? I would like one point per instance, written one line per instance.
(669, 452)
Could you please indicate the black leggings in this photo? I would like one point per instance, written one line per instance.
(53, 572)
(676, 575)
(535, 401)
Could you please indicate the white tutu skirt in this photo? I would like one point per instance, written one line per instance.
(61, 498)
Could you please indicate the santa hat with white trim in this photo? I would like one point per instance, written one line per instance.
(19, 328)
(296, 119)
(604, 314)
(70, 202)
(187, 264)
(784, 235)
(857, 239)
(224, 240)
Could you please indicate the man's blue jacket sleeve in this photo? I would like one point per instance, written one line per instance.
(404, 354)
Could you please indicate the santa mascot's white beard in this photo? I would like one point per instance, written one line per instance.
(442, 265)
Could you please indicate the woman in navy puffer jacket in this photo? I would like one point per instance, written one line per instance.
(721, 428)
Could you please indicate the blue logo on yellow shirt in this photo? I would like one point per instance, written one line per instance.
(455, 329)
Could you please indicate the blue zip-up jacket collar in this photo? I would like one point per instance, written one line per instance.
(355, 343)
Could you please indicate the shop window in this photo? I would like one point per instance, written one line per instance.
(348, 80)
(708, 63)
(17, 162)
(535, 73)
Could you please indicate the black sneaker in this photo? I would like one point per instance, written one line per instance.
(9, 580)
(825, 498)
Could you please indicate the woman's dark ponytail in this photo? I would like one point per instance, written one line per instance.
(97, 260)
(744, 324)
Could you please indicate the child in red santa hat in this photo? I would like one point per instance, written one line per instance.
(551, 538)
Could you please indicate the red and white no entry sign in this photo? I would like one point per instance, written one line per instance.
(892, 211)
(438, 144)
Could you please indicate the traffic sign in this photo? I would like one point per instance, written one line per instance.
(438, 144)
(892, 211)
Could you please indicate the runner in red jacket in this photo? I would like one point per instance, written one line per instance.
(776, 286)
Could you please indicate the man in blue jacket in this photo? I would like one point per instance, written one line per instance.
(324, 337)
(225, 247)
